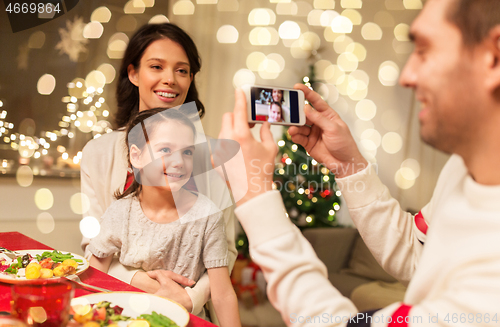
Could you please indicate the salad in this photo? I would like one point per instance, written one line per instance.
(104, 314)
(42, 266)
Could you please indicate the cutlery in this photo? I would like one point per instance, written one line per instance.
(75, 279)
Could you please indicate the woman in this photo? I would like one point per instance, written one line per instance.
(158, 70)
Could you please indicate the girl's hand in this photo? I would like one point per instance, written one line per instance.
(169, 286)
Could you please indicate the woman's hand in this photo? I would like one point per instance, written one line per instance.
(326, 137)
(164, 283)
(170, 288)
(256, 170)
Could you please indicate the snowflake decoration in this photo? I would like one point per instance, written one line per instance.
(72, 41)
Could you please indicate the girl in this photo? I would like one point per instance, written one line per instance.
(158, 70)
(158, 224)
(275, 113)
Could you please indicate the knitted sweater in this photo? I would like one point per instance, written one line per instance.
(454, 274)
(186, 246)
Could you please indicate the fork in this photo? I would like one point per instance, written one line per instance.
(75, 279)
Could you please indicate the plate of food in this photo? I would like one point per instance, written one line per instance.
(127, 309)
(28, 265)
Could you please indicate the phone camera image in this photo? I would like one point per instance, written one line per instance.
(275, 105)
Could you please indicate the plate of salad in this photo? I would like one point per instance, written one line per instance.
(127, 309)
(21, 266)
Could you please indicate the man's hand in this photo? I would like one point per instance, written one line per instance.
(326, 137)
(258, 156)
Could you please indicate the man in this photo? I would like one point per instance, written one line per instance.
(451, 250)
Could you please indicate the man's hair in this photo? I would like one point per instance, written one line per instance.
(474, 18)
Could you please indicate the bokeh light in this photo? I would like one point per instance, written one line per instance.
(36, 40)
(347, 62)
(261, 17)
(327, 17)
(86, 121)
(309, 41)
(392, 142)
(320, 66)
(243, 77)
(159, 19)
(27, 147)
(401, 181)
(388, 73)
(413, 4)
(134, 7)
(263, 36)
(44, 199)
(93, 30)
(289, 30)
(79, 203)
(410, 168)
(303, 8)
(183, 7)
(357, 49)
(95, 79)
(401, 32)
(227, 34)
(324, 4)
(353, 4)
(24, 176)
(341, 24)
(90, 227)
(394, 5)
(45, 223)
(108, 71)
(366, 109)
(46, 84)
(254, 59)
(353, 15)
(373, 135)
(101, 14)
(371, 31)
(116, 45)
(341, 43)
(314, 17)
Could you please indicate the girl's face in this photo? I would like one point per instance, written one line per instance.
(163, 76)
(167, 159)
(277, 95)
(275, 113)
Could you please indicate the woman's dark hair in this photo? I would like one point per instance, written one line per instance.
(138, 130)
(127, 94)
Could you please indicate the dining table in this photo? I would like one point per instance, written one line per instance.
(17, 241)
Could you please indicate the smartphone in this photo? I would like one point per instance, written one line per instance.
(277, 105)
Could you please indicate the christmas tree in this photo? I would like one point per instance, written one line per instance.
(307, 188)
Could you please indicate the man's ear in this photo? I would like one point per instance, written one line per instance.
(135, 157)
(493, 48)
(132, 75)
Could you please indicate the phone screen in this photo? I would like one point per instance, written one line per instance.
(275, 105)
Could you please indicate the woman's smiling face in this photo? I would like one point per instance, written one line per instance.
(163, 76)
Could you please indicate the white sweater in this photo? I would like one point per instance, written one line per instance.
(454, 275)
(104, 170)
